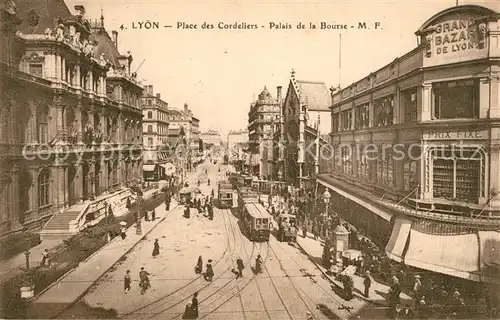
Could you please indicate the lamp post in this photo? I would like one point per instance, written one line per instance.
(326, 199)
(27, 255)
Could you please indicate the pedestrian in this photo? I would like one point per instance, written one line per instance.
(240, 266)
(153, 215)
(209, 272)
(127, 281)
(194, 305)
(156, 248)
(45, 258)
(146, 216)
(199, 266)
(367, 283)
(123, 232)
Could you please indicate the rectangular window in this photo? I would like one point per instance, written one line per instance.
(335, 122)
(383, 111)
(363, 165)
(346, 160)
(457, 175)
(150, 141)
(409, 104)
(456, 99)
(346, 121)
(43, 132)
(36, 69)
(363, 116)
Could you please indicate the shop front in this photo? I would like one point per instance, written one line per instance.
(151, 172)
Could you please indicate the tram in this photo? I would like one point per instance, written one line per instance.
(257, 221)
(225, 194)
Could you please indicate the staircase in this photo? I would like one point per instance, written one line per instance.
(63, 225)
(58, 225)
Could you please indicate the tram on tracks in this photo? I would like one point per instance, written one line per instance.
(257, 221)
(225, 194)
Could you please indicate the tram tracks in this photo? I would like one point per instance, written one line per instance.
(172, 300)
(238, 287)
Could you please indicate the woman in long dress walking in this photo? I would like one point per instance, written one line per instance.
(209, 273)
(199, 266)
(156, 248)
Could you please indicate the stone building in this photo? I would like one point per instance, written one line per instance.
(416, 160)
(212, 137)
(263, 120)
(155, 134)
(306, 114)
(64, 136)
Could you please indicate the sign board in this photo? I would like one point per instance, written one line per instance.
(455, 36)
(456, 134)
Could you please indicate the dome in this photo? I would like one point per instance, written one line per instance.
(265, 95)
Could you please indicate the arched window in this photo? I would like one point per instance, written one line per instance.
(149, 102)
(5, 198)
(150, 129)
(150, 114)
(44, 188)
(25, 182)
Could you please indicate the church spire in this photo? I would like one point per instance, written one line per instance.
(102, 19)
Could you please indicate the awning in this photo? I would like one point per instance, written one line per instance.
(149, 167)
(381, 213)
(399, 237)
(455, 255)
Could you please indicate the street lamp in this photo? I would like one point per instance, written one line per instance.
(326, 198)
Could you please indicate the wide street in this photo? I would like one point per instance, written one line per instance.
(289, 287)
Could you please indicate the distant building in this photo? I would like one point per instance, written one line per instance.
(263, 120)
(155, 134)
(211, 137)
(235, 137)
(191, 125)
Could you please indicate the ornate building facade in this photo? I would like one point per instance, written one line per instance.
(305, 113)
(416, 148)
(62, 132)
(263, 120)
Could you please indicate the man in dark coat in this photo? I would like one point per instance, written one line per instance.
(240, 266)
(367, 282)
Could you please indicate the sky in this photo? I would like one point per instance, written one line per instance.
(218, 73)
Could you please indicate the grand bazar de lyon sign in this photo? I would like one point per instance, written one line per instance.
(454, 36)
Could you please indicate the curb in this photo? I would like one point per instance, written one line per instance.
(333, 282)
(104, 271)
(86, 260)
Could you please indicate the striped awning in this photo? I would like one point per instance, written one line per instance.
(399, 237)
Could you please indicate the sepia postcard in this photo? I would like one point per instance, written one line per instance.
(249, 160)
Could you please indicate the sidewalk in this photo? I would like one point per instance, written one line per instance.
(71, 287)
(9, 268)
(378, 292)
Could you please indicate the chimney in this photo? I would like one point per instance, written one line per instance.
(186, 109)
(115, 38)
(158, 96)
(150, 89)
(278, 94)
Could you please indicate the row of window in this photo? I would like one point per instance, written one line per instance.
(378, 167)
(450, 100)
(160, 129)
(457, 175)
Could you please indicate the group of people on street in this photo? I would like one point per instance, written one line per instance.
(209, 271)
(143, 277)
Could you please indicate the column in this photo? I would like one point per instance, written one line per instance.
(78, 182)
(397, 112)
(371, 112)
(33, 192)
(90, 86)
(78, 121)
(63, 68)
(424, 111)
(14, 196)
(77, 82)
(104, 124)
(57, 67)
(485, 92)
(494, 98)
(104, 175)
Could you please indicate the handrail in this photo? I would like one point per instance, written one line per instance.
(78, 223)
